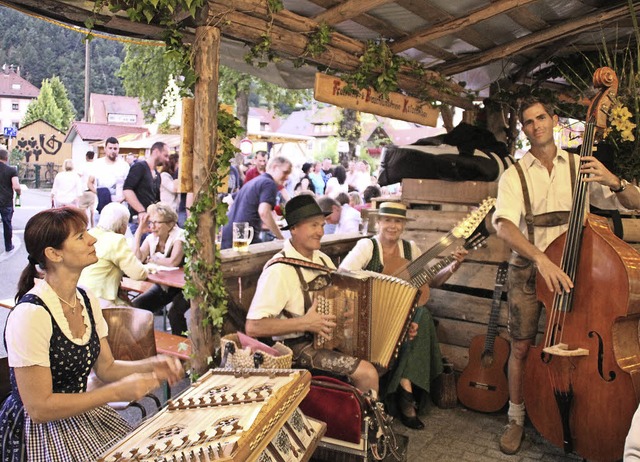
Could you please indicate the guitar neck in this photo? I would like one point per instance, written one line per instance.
(417, 268)
(492, 328)
(426, 275)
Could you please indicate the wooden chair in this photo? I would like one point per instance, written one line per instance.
(131, 338)
(5, 384)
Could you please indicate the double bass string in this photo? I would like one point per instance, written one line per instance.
(570, 257)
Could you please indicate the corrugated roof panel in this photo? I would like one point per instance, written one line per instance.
(400, 18)
(459, 8)
(357, 31)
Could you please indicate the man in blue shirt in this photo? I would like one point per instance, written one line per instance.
(255, 201)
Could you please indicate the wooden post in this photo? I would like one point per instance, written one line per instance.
(206, 50)
(185, 172)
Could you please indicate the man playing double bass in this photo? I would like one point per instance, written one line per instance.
(540, 186)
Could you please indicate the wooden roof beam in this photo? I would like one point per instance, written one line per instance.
(348, 10)
(391, 32)
(449, 27)
(535, 40)
(251, 28)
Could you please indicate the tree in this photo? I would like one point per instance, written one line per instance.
(62, 100)
(45, 108)
(349, 129)
(146, 72)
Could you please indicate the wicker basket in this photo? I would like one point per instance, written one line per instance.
(234, 356)
(445, 394)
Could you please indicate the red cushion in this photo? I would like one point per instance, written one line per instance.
(340, 409)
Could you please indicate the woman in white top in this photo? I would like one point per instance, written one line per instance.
(162, 247)
(55, 336)
(115, 257)
(67, 186)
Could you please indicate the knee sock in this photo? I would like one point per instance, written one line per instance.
(516, 413)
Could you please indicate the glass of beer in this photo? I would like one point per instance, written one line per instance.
(242, 236)
(219, 238)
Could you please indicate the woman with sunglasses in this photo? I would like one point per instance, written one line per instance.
(163, 246)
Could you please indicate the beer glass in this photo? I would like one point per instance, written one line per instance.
(242, 236)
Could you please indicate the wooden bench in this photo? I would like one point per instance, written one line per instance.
(131, 285)
(173, 345)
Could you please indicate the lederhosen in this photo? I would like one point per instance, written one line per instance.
(524, 308)
(304, 354)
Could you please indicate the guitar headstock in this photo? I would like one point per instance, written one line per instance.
(501, 275)
(476, 241)
(466, 227)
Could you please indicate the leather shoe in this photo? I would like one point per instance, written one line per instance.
(411, 422)
(511, 438)
(407, 408)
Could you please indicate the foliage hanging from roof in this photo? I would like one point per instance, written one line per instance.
(164, 13)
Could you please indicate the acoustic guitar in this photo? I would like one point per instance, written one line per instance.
(483, 385)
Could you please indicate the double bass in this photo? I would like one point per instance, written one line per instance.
(578, 384)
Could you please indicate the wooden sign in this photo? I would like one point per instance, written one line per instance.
(329, 89)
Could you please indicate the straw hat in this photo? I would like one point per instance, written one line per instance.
(393, 210)
(300, 208)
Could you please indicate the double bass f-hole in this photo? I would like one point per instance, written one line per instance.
(612, 374)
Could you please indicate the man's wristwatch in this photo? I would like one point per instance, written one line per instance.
(623, 185)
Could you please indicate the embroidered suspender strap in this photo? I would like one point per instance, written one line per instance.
(304, 285)
(528, 214)
(299, 262)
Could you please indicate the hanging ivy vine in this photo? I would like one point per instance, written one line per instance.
(318, 39)
(214, 295)
(260, 54)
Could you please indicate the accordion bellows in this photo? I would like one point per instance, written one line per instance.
(373, 312)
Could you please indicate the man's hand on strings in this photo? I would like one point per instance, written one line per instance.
(556, 279)
(598, 172)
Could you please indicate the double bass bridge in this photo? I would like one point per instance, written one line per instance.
(562, 349)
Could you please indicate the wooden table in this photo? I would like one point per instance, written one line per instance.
(172, 278)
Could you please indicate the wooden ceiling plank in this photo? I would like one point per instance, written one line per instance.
(250, 29)
(432, 14)
(348, 10)
(391, 32)
(451, 27)
(536, 39)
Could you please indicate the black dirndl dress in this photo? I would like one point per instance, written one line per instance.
(79, 438)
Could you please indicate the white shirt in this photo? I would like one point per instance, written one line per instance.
(67, 186)
(350, 220)
(29, 327)
(111, 175)
(360, 256)
(279, 287)
(549, 192)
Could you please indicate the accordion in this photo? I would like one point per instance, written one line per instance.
(242, 415)
(373, 312)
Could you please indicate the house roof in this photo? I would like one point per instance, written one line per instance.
(99, 132)
(475, 42)
(14, 86)
(266, 117)
(116, 110)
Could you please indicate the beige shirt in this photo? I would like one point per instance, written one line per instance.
(115, 258)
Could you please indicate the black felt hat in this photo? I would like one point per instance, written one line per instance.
(300, 208)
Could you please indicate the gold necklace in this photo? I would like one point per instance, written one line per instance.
(73, 307)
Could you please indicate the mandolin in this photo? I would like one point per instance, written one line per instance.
(483, 385)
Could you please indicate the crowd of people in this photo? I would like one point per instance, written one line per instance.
(342, 191)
